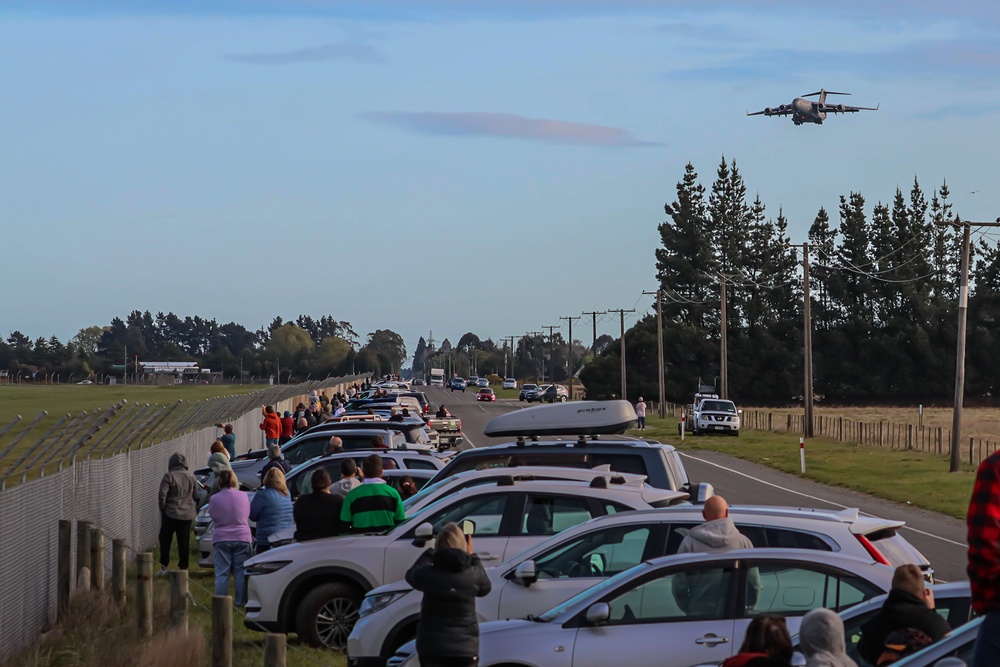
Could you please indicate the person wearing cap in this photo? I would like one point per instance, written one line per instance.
(640, 412)
(287, 428)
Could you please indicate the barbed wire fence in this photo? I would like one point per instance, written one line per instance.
(104, 466)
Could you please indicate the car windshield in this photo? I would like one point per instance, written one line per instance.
(529, 386)
(611, 582)
(718, 406)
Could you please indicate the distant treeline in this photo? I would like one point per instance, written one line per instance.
(307, 346)
(884, 297)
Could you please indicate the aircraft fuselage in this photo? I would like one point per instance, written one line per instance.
(804, 111)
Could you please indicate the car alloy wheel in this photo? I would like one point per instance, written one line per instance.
(327, 615)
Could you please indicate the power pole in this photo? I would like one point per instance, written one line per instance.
(594, 314)
(807, 352)
(569, 354)
(963, 307)
(661, 404)
(621, 313)
(552, 350)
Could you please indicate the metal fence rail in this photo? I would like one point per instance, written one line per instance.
(106, 467)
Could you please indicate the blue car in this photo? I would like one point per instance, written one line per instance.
(457, 383)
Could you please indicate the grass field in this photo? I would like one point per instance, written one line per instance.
(907, 477)
(29, 400)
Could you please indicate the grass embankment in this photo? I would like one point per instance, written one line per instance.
(905, 477)
(97, 634)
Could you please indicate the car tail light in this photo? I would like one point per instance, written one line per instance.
(460, 425)
(872, 551)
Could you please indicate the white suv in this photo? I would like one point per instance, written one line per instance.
(562, 566)
(509, 383)
(315, 588)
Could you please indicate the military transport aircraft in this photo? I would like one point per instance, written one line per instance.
(805, 111)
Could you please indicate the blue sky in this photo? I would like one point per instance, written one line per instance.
(447, 166)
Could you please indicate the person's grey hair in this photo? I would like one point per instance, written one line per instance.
(274, 451)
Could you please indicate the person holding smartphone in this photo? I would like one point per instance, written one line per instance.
(451, 577)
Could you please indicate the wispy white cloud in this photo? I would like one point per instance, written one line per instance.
(510, 126)
(356, 52)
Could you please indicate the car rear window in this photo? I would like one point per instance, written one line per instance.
(619, 462)
(896, 549)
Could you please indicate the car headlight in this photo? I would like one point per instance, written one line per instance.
(267, 566)
(373, 603)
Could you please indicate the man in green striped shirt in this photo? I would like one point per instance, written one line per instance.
(374, 506)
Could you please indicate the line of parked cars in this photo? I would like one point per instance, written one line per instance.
(579, 537)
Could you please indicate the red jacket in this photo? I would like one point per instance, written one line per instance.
(984, 537)
(287, 427)
(271, 426)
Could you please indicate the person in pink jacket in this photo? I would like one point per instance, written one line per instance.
(231, 539)
(640, 412)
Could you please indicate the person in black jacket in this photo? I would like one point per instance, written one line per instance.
(317, 514)
(909, 605)
(451, 578)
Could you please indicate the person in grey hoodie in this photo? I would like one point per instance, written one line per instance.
(178, 509)
(821, 638)
(348, 478)
(698, 593)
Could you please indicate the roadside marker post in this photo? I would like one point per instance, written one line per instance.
(802, 453)
(682, 427)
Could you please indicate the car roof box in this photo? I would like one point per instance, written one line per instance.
(581, 418)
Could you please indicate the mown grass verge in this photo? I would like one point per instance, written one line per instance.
(906, 477)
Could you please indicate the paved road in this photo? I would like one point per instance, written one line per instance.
(940, 538)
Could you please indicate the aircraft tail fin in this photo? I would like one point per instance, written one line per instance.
(823, 92)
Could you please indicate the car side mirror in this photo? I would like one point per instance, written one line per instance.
(423, 534)
(704, 492)
(525, 574)
(598, 613)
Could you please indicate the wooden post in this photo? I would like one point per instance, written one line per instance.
(909, 436)
(82, 546)
(881, 438)
(788, 423)
(970, 451)
(840, 429)
(274, 650)
(769, 422)
(179, 600)
(144, 593)
(222, 631)
(96, 559)
(118, 572)
(65, 567)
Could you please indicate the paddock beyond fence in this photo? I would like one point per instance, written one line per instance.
(111, 479)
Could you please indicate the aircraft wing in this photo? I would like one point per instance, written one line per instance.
(777, 111)
(843, 108)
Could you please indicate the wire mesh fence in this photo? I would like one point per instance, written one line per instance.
(104, 467)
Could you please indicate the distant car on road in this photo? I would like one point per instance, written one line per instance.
(457, 384)
(473, 381)
(85, 382)
(526, 388)
(509, 383)
(486, 394)
(536, 393)
(482, 382)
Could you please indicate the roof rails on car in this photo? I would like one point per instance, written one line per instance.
(580, 418)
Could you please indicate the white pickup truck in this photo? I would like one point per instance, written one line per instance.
(447, 431)
(714, 415)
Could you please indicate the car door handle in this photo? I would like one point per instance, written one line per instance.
(711, 640)
(486, 556)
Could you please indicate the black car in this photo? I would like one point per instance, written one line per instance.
(526, 390)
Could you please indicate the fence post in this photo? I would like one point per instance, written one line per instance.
(179, 600)
(769, 414)
(970, 451)
(118, 572)
(222, 631)
(909, 436)
(96, 559)
(144, 593)
(840, 429)
(65, 566)
(274, 650)
(82, 547)
(788, 423)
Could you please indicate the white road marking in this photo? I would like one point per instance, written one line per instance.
(811, 497)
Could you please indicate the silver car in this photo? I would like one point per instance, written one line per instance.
(678, 611)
